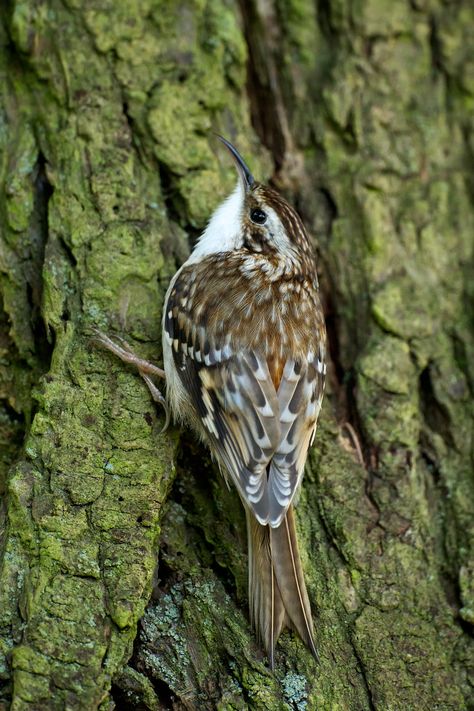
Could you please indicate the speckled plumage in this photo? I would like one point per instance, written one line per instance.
(246, 317)
(244, 355)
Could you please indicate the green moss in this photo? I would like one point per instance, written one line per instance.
(137, 689)
(20, 200)
(172, 127)
(382, 18)
(422, 667)
(69, 516)
(404, 308)
(388, 364)
(199, 189)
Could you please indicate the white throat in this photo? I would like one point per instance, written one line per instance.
(223, 232)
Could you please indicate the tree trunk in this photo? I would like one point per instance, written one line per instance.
(362, 115)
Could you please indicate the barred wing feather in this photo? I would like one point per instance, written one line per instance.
(238, 406)
(260, 434)
(299, 398)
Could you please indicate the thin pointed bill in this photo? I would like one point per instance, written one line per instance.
(244, 172)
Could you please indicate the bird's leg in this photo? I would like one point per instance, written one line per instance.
(144, 367)
(125, 353)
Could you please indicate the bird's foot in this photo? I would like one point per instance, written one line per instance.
(146, 369)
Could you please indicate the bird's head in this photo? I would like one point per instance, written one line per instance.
(257, 219)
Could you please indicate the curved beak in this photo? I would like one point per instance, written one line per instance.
(247, 177)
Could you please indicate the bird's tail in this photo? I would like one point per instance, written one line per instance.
(277, 591)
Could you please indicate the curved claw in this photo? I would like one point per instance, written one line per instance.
(167, 419)
(157, 397)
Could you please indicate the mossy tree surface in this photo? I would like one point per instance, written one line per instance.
(362, 115)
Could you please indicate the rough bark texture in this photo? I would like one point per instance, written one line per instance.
(362, 114)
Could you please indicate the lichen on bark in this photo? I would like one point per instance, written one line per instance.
(362, 115)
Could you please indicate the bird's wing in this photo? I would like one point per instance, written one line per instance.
(235, 399)
(300, 394)
(259, 426)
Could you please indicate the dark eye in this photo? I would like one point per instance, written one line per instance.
(258, 216)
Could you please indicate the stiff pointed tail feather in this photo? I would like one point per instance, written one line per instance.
(277, 591)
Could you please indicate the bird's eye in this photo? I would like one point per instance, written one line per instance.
(258, 216)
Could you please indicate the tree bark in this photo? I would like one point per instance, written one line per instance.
(362, 115)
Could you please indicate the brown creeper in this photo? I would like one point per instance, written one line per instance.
(244, 346)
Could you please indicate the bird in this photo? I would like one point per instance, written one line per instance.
(244, 353)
